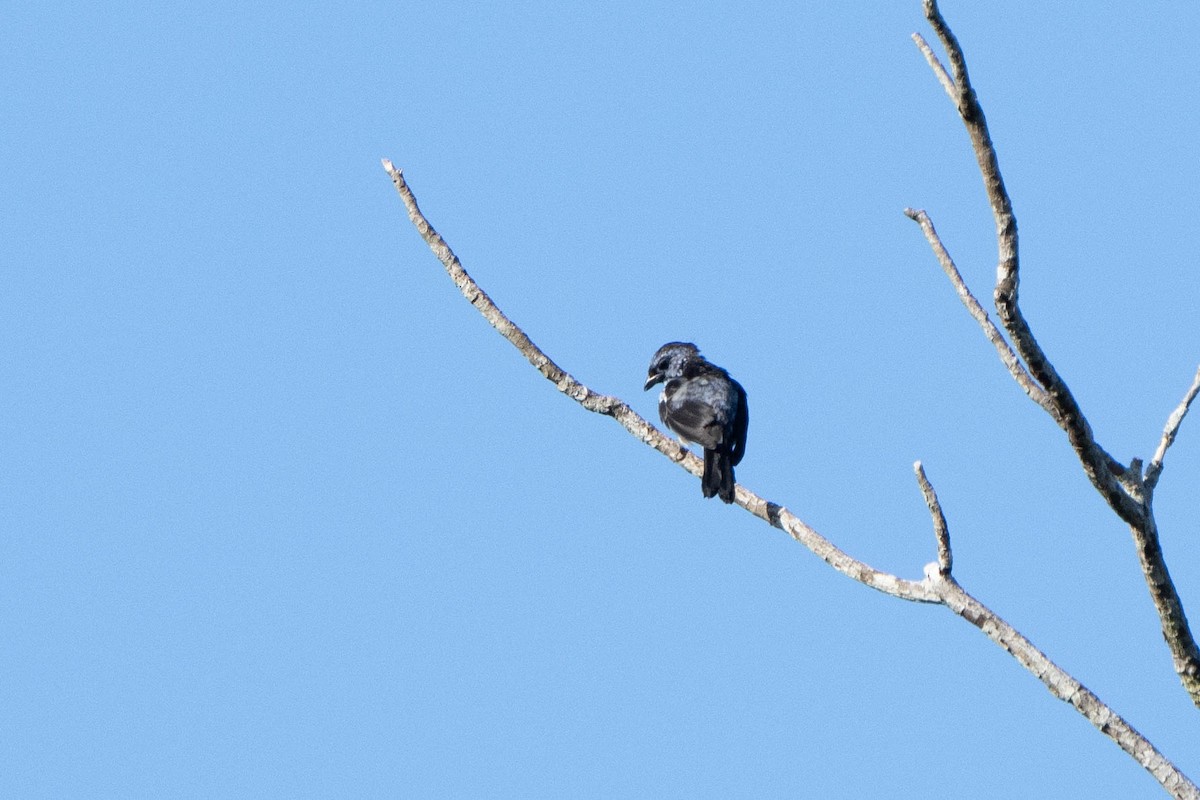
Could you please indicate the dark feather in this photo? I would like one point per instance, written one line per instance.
(704, 406)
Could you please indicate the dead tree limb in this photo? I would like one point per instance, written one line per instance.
(941, 532)
(936, 587)
(1170, 430)
(1123, 488)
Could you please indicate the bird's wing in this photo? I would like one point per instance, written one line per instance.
(741, 423)
(688, 409)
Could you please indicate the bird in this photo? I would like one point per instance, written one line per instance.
(702, 405)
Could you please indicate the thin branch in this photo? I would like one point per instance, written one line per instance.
(934, 588)
(1010, 359)
(943, 77)
(940, 531)
(1060, 684)
(1169, 433)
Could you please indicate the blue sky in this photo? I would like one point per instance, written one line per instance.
(283, 517)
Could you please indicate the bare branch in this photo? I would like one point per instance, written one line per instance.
(943, 77)
(940, 531)
(1169, 432)
(1010, 359)
(1185, 655)
(958, 63)
(564, 382)
(936, 587)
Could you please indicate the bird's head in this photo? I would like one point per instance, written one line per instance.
(669, 362)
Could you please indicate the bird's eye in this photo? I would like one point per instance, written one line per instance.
(661, 366)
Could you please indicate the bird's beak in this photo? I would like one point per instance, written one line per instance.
(655, 378)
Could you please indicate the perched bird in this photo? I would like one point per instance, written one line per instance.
(702, 405)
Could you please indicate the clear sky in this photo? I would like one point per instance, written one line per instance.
(283, 517)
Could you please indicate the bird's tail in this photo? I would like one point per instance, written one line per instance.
(717, 478)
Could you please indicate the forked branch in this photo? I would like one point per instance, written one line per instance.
(1101, 468)
(1010, 359)
(1124, 488)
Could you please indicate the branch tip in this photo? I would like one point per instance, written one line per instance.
(934, 64)
(1170, 431)
(945, 558)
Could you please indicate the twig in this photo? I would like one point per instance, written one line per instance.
(1169, 433)
(943, 77)
(940, 531)
(1010, 359)
(936, 587)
